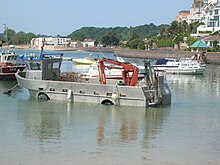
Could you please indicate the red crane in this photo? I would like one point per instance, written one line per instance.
(125, 67)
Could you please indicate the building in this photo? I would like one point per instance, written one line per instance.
(50, 42)
(76, 44)
(89, 43)
(211, 18)
(209, 40)
(195, 12)
(182, 16)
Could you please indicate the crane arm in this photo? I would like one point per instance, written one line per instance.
(126, 68)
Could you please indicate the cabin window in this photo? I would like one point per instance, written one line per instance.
(95, 67)
(40, 89)
(56, 65)
(35, 66)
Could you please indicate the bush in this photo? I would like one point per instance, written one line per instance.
(136, 44)
(211, 50)
(164, 43)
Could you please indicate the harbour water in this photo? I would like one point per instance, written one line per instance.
(36, 132)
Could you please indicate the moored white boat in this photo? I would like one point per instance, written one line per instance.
(111, 73)
(165, 63)
(186, 66)
(84, 61)
(48, 83)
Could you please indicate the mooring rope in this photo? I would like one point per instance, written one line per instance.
(9, 91)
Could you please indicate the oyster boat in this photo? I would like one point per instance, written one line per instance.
(9, 65)
(44, 80)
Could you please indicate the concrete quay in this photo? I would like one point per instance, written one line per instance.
(210, 57)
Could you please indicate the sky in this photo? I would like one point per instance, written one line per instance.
(62, 17)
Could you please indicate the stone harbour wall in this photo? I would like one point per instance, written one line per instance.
(210, 57)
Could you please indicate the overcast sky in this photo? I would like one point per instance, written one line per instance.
(52, 17)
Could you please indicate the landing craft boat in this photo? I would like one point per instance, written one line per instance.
(44, 80)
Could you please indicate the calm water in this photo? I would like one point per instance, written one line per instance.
(33, 132)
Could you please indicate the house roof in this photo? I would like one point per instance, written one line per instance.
(184, 11)
(199, 44)
(211, 38)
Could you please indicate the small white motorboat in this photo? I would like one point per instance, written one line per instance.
(186, 66)
(165, 63)
(84, 61)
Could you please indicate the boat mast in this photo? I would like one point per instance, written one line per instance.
(6, 33)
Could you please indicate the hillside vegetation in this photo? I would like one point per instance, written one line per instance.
(122, 33)
(134, 37)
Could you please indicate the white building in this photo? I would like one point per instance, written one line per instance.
(76, 44)
(206, 11)
(89, 43)
(195, 11)
(50, 42)
(211, 18)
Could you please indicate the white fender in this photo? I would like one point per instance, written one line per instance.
(69, 93)
(114, 96)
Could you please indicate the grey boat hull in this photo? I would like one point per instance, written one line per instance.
(95, 93)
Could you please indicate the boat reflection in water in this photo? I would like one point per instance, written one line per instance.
(194, 84)
(75, 124)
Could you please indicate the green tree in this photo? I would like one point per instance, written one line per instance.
(8, 34)
(177, 40)
(110, 39)
(215, 45)
(135, 42)
(190, 40)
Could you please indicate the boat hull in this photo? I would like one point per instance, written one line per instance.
(91, 92)
(8, 72)
(185, 71)
(85, 92)
(84, 61)
(162, 68)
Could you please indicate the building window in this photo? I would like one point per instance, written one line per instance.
(210, 13)
(216, 18)
(216, 12)
(212, 24)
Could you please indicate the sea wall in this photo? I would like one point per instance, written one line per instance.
(210, 57)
